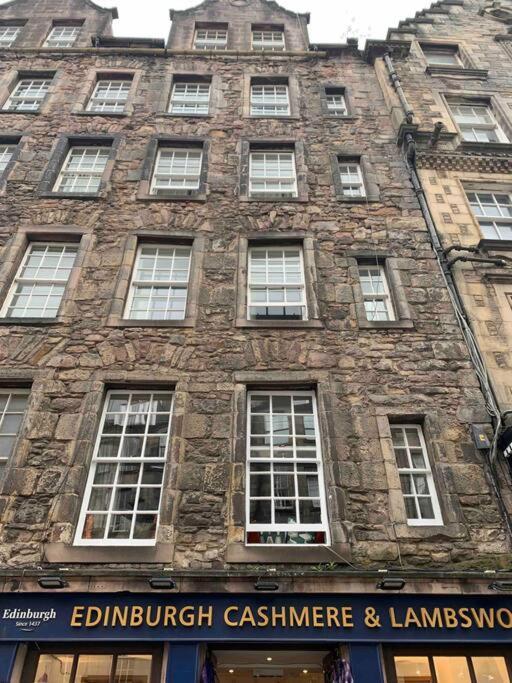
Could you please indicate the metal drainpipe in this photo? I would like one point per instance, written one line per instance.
(409, 114)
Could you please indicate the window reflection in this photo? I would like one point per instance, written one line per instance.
(133, 669)
(93, 669)
(410, 669)
(54, 669)
(489, 669)
(450, 669)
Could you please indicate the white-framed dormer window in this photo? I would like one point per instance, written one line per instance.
(493, 211)
(276, 287)
(13, 404)
(272, 172)
(190, 98)
(211, 39)
(268, 41)
(9, 35)
(177, 169)
(270, 100)
(83, 170)
(41, 280)
(418, 487)
(285, 497)
(121, 503)
(336, 103)
(351, 179)
(159, 286)
(6, 154)
(28, 94)
(477, 123)
(376, 295)
(62, 36)
(110, 96)
(442, 55)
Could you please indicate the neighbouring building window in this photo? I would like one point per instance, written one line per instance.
(351, 178)
(110, 96)
(446, 668)
(83, 170)
(418, 489)
(8, 35)
(6, 154)
(270, 100)
(13, 404)
(40, 282)
(477, 123)
(493, 212)
(159, 284)
(189, 97)
(28, 94)
(442, 55)
(336, 103)
(51, 666)
(62, 36)
(272, 172)
(276, 288)
(268, 41)
(285, 489)
(211, 39)
(376, 295)
(122, 496)
(177, 169)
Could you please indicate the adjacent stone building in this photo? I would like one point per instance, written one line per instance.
(233, 379)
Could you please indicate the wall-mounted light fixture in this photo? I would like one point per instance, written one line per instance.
(391, 585)
(269, 586)
(501, 586)
(52, 582)
(162, 583)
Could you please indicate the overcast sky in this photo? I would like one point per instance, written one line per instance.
(331, 20)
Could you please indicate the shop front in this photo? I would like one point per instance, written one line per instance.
(247, 638)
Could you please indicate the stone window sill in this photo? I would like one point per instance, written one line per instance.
(266, 117)
(237, 553)
(70, 195)
(283, 324)
(451, 531)
(357, 200)
(467, 146)
(103, 114)
(61, 553)
(170, 114)
(387, 324)
(178, 197)
(495, 245)
(20, 113)
(341, 118)
(271, 198)
(127, 322)
(30, 321)
(480, 74)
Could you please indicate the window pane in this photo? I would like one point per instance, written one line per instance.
(450, 669)
(411, 669)
(133, 669)
(93, 667)
(490, 669)
(53, 668)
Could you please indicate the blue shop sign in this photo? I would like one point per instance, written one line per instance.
(254, 618)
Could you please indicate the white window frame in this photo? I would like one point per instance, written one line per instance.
(323, 526)
(115, 98)
(53, 41)
(431, 51)
(4, 459)
(346, 187)
(191, 186)
(335, 108)
(496, 221)
(37, 281)
(473, 128)
(269, 100)
(7, 151)
(269, 286)
(160, 284)
(9, 35)
(74, 150)
(275, 43)
(118, 460)
(437, 520)
(291, 193)
(213, 42)
(384, 296)
(192, 104)
(37, 99)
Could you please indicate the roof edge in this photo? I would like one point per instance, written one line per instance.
(191, 10)
(111, 10)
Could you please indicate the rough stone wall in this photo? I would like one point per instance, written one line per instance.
(364, 376)
(39, 15)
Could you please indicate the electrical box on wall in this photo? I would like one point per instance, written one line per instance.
(480, 438)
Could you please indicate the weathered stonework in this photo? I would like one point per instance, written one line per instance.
(365, 376)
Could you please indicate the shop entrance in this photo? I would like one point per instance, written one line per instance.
(276, 666)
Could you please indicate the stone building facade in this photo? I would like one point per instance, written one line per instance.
(220, 233)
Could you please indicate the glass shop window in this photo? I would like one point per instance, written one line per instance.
(278, 666)
(90, 667)
(449, 668)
